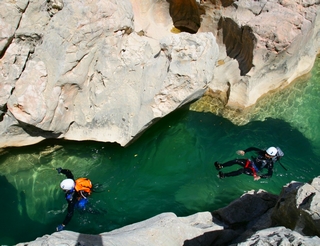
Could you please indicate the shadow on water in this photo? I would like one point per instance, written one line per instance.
(14, 218)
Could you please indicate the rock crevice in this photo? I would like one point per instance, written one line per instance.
(239, 42)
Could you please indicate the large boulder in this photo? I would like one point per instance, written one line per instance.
(246, 215)
(247, 208)
(298, 207)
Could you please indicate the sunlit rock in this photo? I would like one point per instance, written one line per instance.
(88, 76)
(273, 57)
(106, 70)
(152, 18)
(12, 12)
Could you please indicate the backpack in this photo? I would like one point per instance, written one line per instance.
(279, 153)
(83, 184)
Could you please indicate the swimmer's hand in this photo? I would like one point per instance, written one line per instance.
(60, 227)
(240, 152)
(256, 178)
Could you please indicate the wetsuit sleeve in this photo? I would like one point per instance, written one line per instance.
(253, 149)
(269, 173)
(68, 173)
(70, 211)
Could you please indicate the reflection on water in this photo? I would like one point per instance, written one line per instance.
(170, 168)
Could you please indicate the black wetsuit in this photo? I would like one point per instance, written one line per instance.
(258, 163)
(72, 197)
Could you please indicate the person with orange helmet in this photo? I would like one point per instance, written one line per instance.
(264, 159)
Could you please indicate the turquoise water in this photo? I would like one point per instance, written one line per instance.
(169, 168)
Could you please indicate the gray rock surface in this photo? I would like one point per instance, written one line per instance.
(248, 207)
(298, 207)
(165, 229)
(280, 236)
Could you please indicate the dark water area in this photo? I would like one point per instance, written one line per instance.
(168, 169)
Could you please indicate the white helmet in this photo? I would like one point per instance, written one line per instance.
(272, 151)
(67, 184)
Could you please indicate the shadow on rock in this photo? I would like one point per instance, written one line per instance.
(185, 15)
(85, 239)
(239, 42)
(213, 238)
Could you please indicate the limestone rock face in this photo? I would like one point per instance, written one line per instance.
(268, 53)
(76, 70)
(105, 70)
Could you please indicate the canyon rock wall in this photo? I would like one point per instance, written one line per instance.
(77, 70)
(264, 46)
(107, 70)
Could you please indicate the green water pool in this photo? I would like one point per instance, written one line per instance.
(168, 169)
